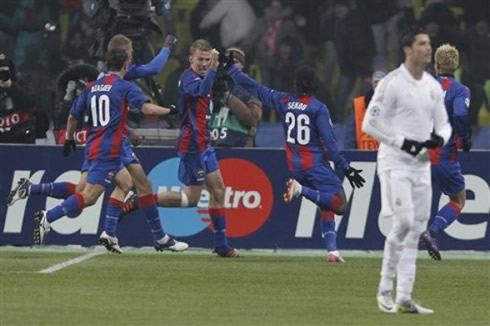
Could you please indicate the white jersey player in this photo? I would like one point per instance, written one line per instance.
(407, 115)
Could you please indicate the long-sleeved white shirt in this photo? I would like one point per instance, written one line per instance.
(405, 108)
(236, 17)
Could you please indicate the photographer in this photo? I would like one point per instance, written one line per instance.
(235, 113)
(17, 122)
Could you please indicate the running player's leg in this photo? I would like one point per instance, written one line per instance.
(305, 184)
(148, 207)
(451, 182)
(217, 212)
(123, 184)
(60, 190)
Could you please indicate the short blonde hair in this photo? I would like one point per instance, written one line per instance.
(447, 57)
(118, 41)
(201, 45)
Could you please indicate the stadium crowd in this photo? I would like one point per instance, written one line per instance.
(345, 41)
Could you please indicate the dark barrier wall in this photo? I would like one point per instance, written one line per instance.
(257, 215)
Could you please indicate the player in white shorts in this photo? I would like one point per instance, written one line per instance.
(407, 115)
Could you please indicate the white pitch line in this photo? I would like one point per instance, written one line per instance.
(67, 263)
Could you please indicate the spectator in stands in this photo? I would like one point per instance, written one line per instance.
(352, 38)
(478, 73)
(17, 123)
(212, 33)
(383, 17)
(266, 38)
(235, 18)
(288, 56)
(236, 112)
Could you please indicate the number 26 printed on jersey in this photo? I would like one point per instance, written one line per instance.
(298, 128)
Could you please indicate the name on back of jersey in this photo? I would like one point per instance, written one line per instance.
(101, 88)
(297, 106)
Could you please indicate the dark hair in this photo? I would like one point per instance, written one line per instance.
(408, 36)
(115, 59)
(305, 80)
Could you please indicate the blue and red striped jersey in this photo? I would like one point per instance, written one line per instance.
(308, 130)
(106, 102)
(194, 109)
(457, 102)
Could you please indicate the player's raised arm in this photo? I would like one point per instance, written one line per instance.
(155, 65)
(266, 95)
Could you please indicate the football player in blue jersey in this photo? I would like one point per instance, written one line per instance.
(63, 190)
(107, 101)
(446, 170)
(310, 145)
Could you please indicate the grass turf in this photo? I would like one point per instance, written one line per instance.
(194, 288)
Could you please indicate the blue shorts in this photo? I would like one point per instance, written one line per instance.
(448, 177)
(127, 157)
(85, 166)
(321, 178)
(194, 167)
(102, 172)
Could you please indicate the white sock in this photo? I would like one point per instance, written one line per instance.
(184, 202)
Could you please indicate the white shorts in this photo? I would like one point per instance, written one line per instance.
(406, 190)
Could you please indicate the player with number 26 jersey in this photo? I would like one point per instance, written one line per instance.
(310, 144)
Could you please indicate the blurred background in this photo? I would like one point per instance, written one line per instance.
(345, 40)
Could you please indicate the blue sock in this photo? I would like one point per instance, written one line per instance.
(328, 230)
(219, 224)
(324, 200)
(72, 207)
(149, 209)
(445, 217)
(53, 189)
(114, 208)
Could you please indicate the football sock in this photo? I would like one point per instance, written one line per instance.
(445, 217)
(328, 230)
(149, 208)
(53, 189)
(72, 207)
(324, 200)
(218, 219)
(114, 207)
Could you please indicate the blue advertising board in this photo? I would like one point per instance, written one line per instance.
(257, 215)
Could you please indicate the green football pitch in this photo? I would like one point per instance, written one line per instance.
(63, 286)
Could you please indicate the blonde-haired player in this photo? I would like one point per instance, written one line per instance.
(446, 171)
(406, 115)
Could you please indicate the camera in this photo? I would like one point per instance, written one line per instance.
(4, 75)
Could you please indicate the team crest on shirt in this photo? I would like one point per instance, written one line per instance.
(398, 202)
(467, 102)
(375, 111)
